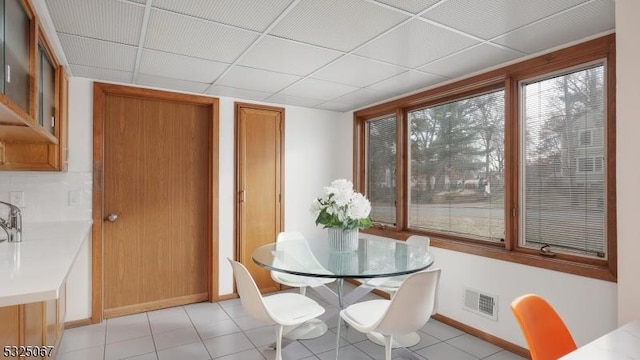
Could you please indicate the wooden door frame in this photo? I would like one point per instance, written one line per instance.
(100, 91)
(236, 182)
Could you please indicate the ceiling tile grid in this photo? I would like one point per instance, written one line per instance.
(335, 55)
(336, 24)
(586, 20)
(180, 66)
(357, 71)
(415, 43)
(247, 14)
(115, 21)
(203, 39)
(286, 56)
(484, 56)
(98, 53)
(488, 19)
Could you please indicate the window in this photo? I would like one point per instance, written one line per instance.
(456, 167)
(563, 208)
(381, 165)
(516, 164)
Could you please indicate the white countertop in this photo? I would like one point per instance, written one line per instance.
(621, 343)
(35, 269)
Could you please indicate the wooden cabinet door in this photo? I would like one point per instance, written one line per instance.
(259, 184)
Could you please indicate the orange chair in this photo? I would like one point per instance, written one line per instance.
(543, 329)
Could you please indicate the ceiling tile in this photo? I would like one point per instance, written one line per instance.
(184, 35)
(586, 20)
(287, 56)
(256, 79)
(111, 20)
(317, 89)
(247, 14)
(336, 24)
(170, 83)
(98, 53)
(180, 66)
(487, 19)
(293, 100)
(415, 43)
(227, 91)
(363, 97)
(414, 6)
(356, 71)
(406, 82)
(484, 56)
(101, 74)
(335, 106)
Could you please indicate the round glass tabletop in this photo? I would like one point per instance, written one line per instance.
(374, 258)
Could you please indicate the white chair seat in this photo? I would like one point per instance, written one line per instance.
(292, 309)
(359, 314)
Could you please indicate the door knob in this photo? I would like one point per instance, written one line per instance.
(112, 217)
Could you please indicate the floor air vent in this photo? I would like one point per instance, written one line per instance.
(481, 303)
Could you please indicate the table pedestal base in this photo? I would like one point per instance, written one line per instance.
(400, 341)
(309, 330)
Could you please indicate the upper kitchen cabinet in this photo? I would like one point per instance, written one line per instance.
(33, 101)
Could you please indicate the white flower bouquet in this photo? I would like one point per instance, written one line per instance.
(341, 207)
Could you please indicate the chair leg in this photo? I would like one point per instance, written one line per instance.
(388, 340)
(279, 329)
(303, 290)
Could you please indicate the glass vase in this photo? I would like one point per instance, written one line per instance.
(343, 240)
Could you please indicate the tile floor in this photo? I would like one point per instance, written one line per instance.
(224, 331)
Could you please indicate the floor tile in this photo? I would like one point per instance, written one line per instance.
(232, 302)
(323, 343)
(292, 351)
(227, 344)
(147, 356)
(95, 352)
(129, 348)
(262, 336)
(248, 322)
(474, 346)
(121, 332)
(347, 352)
(235, 311)
(168, 319)
(205, 312)
(216, 328)
(176, 337)
(444, 351)
(251, 354)
(83, 337)
(440, 331)
(504, 355)
(193, 351)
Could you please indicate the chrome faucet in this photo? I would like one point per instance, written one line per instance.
(12, 225)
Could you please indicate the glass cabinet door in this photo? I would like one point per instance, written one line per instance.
(16, 53)
(46, 90)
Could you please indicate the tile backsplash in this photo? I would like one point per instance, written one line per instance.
(50, 196)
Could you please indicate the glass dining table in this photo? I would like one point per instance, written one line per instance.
(375, 260)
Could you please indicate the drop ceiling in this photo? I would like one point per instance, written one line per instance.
(327, 54)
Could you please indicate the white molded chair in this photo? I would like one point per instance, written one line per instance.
(301, 282)
(391, 285)
(408, 311)
(284, 309)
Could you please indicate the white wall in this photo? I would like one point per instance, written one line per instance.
(627, 155)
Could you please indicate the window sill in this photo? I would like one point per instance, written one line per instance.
(499, 253)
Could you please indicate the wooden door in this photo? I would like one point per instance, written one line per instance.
(258, 183)
(157, 200)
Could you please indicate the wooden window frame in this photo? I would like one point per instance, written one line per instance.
(506, 78)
